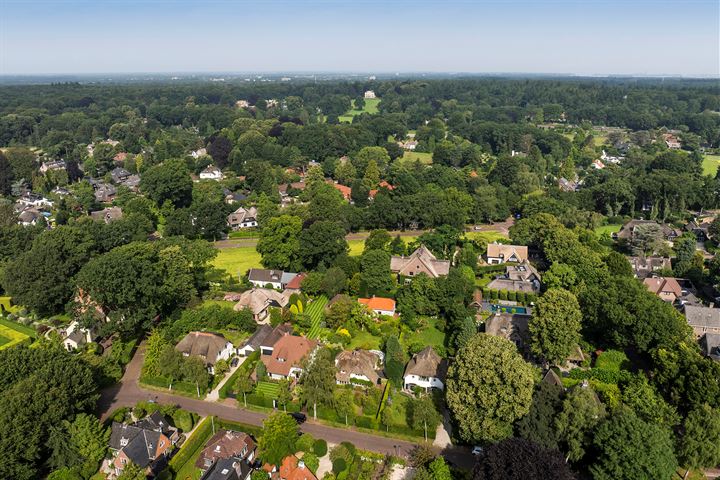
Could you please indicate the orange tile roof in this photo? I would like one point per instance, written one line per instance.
(290, 470)
(346, 191)
(287, 353)
(378, 303)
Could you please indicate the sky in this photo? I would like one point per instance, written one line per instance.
(585, 37)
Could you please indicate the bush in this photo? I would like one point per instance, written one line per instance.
(612, 360)
(512, 296)
(305, 443)
(183, 420)
(493, 294)
(320, 447)
(503, 295)
(339, 465)
(311, 461)
(521, 297)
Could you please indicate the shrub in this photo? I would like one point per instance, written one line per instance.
(183, 420)
(320, 447)
(339, 465)
(305, 443)
(612, 360)
(512, 296)
(503, 295)
(521, 297)
(341, 451)
(493, 294)
(311, 461)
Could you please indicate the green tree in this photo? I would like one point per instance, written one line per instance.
(375, 271)
(132, 471)
(344, 405)
(439, 470)
(280, 432)
(169, 181)
(89, 438)
(279, 243)
(284, 395)
(629, 448)
(333, 282)
(345, 172)
(6, 175)
(244, 385)
(581, 413)
(377, 240)
(322, 243)
(394, 360)
(539, 424)
(424, 415)
(318, 380)
(555, 326)
(520, 459)
(699, 441)
(489, 387)
(372, 175)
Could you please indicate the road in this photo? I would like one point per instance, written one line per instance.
(127, 393)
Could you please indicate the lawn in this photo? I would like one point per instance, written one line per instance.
(371, 106)
(411, 157)
(710, 164)
(268, 389)
(9, 336)
(487, 237)
(364, 339)
(237, 260)
(356, 247)
(429, 336)
(315, 311)
(6, 304)
(608, 229)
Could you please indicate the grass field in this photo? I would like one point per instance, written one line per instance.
(364, 339)
(429, 335)
(710, 164)
(269, 389)
(487, 237)
(371, 106)
(411, 157)
(10, 336)
(608, 229)
(237, 261)
(315, 311)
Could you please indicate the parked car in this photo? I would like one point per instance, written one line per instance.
(477, 450)
(234, 362)
(299, 417)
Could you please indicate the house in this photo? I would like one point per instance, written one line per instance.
(553, 379)
(667, 288)
(294, 285)
(211, 172)
(226, 444)
(60, 191)
(699, 228)
(271, 102)
(264, 339)
(228, 469)
(420, 261)
(259, 301)
(628, 231)
(242, 104)
(643, 266)
(132, 182)
(408, 145)
(610, 158)
(522, 277)
(34, 200)
(120, 157)
(276, 278)
(29, 216)
(510, 326)
(119, 174)
(568, 185)
(344, 190)
(243, 218)
(285, 360)
(358, 364)
(498, 253)
(710, 345)
(702, 319)
(671, 141)
(104, 192)
(426, 369)
(379, 305)
(290, 469)
(146, 443)
(382, 184)
(597, 164)
(53, 165)
(369, 95)
(198, 153)
(210, 347)
(75, 337)
(107, 215)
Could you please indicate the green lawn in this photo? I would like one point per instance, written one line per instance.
(608, 229)
(10, 336)
(364, 339)
(411, 157)
(487, 237)
(268, 389)
(427, 336)
(3, 341)
(315, 311)
(356, 247)
(710, 164)
(18, 327)
(237, 260)
(371, 106)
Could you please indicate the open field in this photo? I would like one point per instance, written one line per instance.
(411, 157)
(710, 164)
(371, 106)
(487, 237)
(608, 229)
(237, 260)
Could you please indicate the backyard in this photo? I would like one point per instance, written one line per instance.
(371, 106)
(237, 260)
(710, 164)
(315, 312)
(411, 157)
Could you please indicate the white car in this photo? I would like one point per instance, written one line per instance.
(477, 450)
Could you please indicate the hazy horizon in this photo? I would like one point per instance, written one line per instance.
(519, 37)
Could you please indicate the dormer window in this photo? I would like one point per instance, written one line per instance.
(124, 442)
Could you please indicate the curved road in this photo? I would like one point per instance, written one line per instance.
(127, 393)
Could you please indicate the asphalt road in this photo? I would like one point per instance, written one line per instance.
(127, 393)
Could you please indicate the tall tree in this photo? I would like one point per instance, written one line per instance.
(539, 424)
(6, 175)
(699, 441)
(520, 459)
(279, 243)
(375, 271)
(169, 181)
(280, 432)
(318, 380)
(489, 387)
(394, 360)
(581, 413)
(629, 448)
(555, 326)
(322, 243)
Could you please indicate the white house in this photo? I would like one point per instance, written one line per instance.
(198, 153)
(277, 278)
(379, 305)
(369, 94)
(243, 218)
(76, 336)
(498, 253)
(211, 347)
(211, 173)
(426, 370)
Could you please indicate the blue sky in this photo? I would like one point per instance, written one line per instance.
(542, 36)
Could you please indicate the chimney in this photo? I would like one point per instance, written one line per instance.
(301, 464)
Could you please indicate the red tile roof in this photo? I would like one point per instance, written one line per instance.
(378, 303)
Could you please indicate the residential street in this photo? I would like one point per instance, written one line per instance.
(127, 393)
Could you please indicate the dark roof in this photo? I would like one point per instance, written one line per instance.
(552, 378)
(227, 469)
(264, 276)
(266, 336)
(138, 444)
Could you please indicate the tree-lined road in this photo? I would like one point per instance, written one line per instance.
(128, 392)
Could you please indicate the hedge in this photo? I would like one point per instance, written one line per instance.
(228, 389)
(320, 447)
(242, 427)
(193, 444)
(177, 386)
(339, 465)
